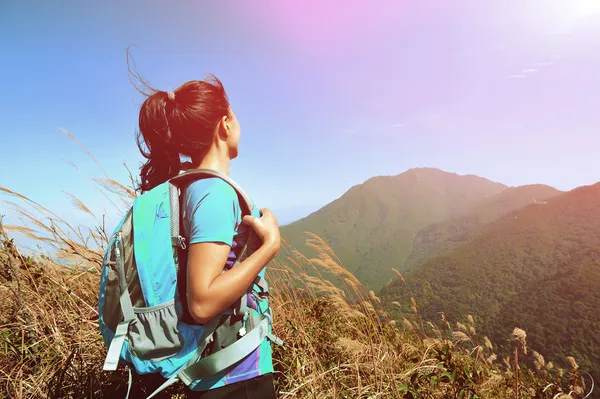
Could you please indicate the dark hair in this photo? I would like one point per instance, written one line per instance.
(182, 124)
(172, 124)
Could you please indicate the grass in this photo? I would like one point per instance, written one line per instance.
(340, 342)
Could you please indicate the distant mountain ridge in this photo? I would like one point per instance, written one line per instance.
(372, 226)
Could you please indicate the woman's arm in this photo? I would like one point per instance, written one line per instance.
(209, 290)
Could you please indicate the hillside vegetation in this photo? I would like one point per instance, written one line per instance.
(537, 268)
(449, 235)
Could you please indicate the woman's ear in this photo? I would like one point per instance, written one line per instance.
(224, 128)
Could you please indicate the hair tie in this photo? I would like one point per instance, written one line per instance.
(171, 95)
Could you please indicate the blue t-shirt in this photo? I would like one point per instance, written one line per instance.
(212, 213)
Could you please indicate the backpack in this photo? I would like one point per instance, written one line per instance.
(143, 315)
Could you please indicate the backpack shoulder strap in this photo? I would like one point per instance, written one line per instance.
(181, 181)
(177, 185)
(184, 179)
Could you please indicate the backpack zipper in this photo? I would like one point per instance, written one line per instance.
(117, 243)
(120, 262)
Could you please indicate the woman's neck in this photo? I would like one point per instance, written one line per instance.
(216, 161)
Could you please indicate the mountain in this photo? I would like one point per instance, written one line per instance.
(537, 268)
(449, 235)
(372, 226)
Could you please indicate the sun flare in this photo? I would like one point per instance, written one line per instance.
(583, 8)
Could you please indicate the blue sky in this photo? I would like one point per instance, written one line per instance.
(328, 94)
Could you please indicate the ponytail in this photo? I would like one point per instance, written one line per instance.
(163, 157)
(175, 123)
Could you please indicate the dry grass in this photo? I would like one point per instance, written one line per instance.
(334, 349)
(340, 342)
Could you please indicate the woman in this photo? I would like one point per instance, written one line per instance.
(196, 121)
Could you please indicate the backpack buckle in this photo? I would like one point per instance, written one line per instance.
(178, 241)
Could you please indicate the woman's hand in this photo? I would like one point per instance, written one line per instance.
(210, 291)
(266, 228)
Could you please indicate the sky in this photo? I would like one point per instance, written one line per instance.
(328, 93)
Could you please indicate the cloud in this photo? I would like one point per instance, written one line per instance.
(536, 67)
(399, 125)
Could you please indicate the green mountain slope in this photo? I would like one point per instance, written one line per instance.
(537, 269)
(440, 238)
(372, 226)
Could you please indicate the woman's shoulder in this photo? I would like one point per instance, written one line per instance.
(216, 191)
(213, 186)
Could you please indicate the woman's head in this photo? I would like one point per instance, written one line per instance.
(192, 121)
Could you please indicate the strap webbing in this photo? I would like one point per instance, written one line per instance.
(129, 383)
(275, 339)
(174, 213)
(243, 305)
(114, 350)
(226, 357)
(126, 306)
(262, 284)
(164, 386)
(116, 345)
